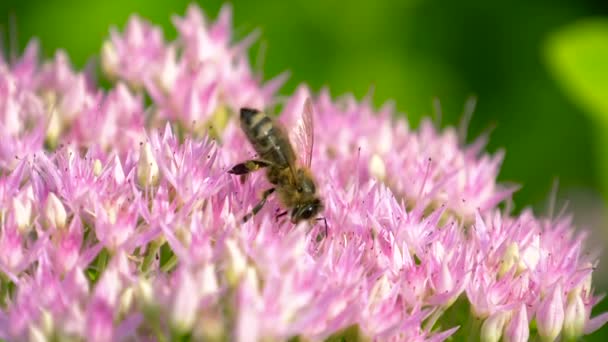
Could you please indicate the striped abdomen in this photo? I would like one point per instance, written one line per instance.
(268, 139)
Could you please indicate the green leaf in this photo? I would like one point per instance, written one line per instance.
(577, 55)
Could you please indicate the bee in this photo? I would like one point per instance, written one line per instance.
(292, 180)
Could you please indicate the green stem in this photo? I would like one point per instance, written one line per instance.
(472, 328)
(168, 266)
(150, 255)
(102, 261)
(430, 322)
(160, 336)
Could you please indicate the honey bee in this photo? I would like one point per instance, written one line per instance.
(292, 181)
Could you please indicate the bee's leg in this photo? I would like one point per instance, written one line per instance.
(248, 166)
(279, 215)
(260, 204)
(325, 221)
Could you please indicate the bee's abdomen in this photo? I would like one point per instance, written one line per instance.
(267, 138)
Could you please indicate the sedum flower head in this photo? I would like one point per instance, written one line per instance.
(119, 220)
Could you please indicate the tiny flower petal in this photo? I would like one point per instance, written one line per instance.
(550, 314)
(575, 317)
(376, 167)
(147, 169)
(23, 214)
(54, 211)
(510, 258)
(492, 327)
(237, 262)
(183, 313)
(518, 328)
(110, 59)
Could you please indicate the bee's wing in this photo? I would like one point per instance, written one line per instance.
(303, 133)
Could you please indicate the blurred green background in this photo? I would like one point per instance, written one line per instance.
(538, 68)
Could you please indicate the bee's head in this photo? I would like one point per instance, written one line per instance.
(305, 183)
(306, 210)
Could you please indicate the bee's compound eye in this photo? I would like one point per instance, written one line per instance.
(308, 212)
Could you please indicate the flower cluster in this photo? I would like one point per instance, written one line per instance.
(118, 220)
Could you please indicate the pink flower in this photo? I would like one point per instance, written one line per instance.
(120, 222)
(129, 56)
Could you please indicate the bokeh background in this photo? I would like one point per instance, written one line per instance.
(539, 70)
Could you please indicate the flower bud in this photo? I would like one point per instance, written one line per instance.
(208, 282)
(248, 298)
(36, 334)
(509, 259)
(23, 214)
(54, 212)
(168, 71)
(237, 262)
(377, 167)
(530, 255)
(144, 292)
(492, 327)
(97, 167)
(126, 300)
(185, 305)
(210, 326)
(46, 322)
(445, 282)
(109, 59)
(574, 317)
(518, 329)
(584, 287)
(379, 292)
(54, 127)
(147, 168)
(550, 315)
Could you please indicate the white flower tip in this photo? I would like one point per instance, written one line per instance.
(144, 292)
(550, 315)
(168, 71)
(46, 322)
(492, 328)
(54, 211)
(109, 59)
(379, 292)
(446, 279)
(184, 235)
(509, 259)
(185, 304)
(518, 328)
(575, 318)
(97, 167)
(54, 127)
(126, 300)
(251, 278)
(530, 256)
(237, 262)
(147, 168)
(36, 334)
(377, 167)
(209, 281)
(23, 214)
